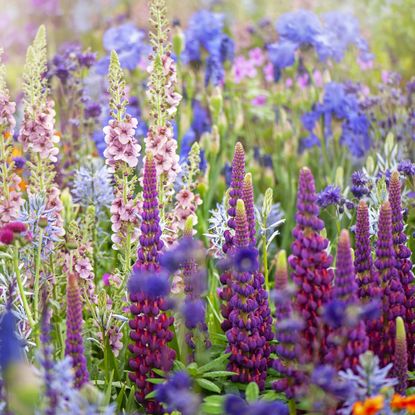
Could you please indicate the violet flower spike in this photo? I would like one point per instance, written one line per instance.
(74, 346)
(394, 295)
(401, 357)
(404, 263)
(368, 280)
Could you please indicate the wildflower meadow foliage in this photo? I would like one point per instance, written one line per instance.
(206, 210)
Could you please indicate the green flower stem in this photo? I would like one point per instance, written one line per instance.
(21, 289)
(265, 261)
(37, 275)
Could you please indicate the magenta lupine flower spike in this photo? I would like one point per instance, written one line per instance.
(248, 198)
(235, 190)
(150, 324)
(310, 263)
(74, 346)
(370, 287)
(400, 365)
(346, 355)
(247, 344)
(404, 264)
(394, 295)
(235, 193)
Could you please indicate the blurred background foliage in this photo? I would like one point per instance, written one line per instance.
(389, 25)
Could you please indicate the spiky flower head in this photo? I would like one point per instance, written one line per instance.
(248, 198)
(345, 353)
(394, 295)
(370, 287)
(310, 263)
(74, 346)
(400, 366)
(404, 263)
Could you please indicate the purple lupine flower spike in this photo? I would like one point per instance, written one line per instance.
(400, 365)
(311, 265)
(235, 190)
(235, 193)
(345, 290)
(248, 198)
(368, 279)
(394, 295)
(404, 264)
(150, 325)
(247, 343)
(74, 346)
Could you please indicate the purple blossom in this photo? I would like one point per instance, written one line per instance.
(407, 167)
(331, 195)
(235, 405)
(359, 186)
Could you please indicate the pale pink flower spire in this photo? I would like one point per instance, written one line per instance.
(164, 100)
(10, 195)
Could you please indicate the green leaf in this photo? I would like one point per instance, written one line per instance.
(252, 392)
(151, 395)
(218, 374)
(156, 381)
(208, 385)
(211, 409)
(214, 364)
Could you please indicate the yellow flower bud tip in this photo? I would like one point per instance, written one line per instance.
(240, 208)
(149, 156)
(400, 329)
(248, 179)
(305, 169)
(188, 226)
(239, 147)
(395, 177)
(282, 260)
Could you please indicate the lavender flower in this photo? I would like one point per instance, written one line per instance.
(235, 405)
(74, 346)
(359, 184)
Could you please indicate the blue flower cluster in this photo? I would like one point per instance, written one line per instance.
(339, 104)
(128, 42)
(206, 32)
(330, 37)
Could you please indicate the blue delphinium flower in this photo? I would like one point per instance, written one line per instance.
(206, 32)
(200, 124)
(92, 186)
(177, 395)
(194, 312)
(128, 42)
(11, 348)
(331, 195)
(303, 28)
(340, 104)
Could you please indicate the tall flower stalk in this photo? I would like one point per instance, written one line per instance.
(346, 344)
(368, 280)
(403, 263)
(150, 324)
(163, 100)
(10, 194)
(394, 295)
(247, 336)
(311, 266)
(121, 156)
(74, 346)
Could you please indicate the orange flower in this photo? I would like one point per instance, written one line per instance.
(370, 406)
(404, 402)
